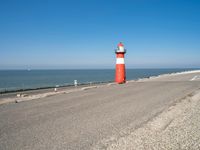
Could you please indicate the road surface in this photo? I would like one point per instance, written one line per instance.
(90, 118)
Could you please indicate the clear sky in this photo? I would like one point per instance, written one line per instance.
(66, 34)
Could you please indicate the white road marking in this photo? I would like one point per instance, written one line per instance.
(195, 78)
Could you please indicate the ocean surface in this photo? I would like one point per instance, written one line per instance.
(11, 80)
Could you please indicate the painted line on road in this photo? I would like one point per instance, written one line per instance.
(195, 78)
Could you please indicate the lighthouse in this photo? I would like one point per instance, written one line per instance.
(120, 72)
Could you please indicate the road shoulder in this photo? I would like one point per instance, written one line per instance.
(175, 128)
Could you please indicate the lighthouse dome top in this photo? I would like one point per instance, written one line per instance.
(120, 44)
(120, 48)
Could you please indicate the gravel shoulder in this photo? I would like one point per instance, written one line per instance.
(175, 128)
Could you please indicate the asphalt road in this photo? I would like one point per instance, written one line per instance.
(89, 118)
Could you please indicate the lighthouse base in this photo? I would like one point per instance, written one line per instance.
(121, 82)
(120, 74)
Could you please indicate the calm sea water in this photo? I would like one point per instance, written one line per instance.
(24, 79)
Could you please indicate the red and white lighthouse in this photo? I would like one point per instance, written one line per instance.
(120, 73)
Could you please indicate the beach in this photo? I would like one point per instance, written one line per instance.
(159, 112)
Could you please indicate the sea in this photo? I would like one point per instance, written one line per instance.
(15, 80)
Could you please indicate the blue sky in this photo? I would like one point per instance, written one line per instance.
(67, 34)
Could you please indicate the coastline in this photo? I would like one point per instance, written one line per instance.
(168, 75)
(5, 90)
(38, 93)
(49, 87)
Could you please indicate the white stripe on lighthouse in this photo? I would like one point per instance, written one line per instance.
(120, 61)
